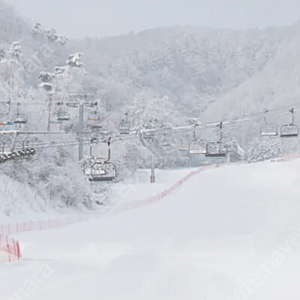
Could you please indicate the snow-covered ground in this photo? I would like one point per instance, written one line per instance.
(228, 233)
(19, 202)
(137, 187)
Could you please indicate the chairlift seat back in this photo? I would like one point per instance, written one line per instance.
(102, 172)
(269, 130)
(124, 128)
(20, 119)
(290, 130)
(96, 125)
(63, 117)
(216, 149)
(197, 147)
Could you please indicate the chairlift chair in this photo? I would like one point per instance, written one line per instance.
(102, 171)
(96, 125)
(63, 116)
(197, 147)
(166, 144)
(98, 169)
(166, 141)
(20, 119)
(216, 149)
(93, 116)
(290, 130)
(269, 130)
(124, 127)
(148, 136)
(184, 144)
(6, 119)
(94, 120)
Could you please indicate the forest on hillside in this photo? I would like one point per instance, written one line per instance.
(168, 76)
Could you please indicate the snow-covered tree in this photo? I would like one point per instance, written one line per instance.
(264, 149)
(37, 31)
(149, 106)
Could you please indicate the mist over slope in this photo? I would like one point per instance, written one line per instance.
(193, 66)
(275, 85)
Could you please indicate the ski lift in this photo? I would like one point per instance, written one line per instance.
(21, 149)
(3, 155)
(268, 129)
(102, 171)
(184, 144)
(61, 114)
(197, 146)
(148, 136)
(217, 148)
(98, 169)
(20, 118)
(47, 86)
(290, 130)
(94, 119)
(6, 119)
(165, 143)
(124, 126)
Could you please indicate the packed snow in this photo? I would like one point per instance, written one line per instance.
(228, 233)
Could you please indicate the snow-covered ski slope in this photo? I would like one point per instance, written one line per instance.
(227, 233)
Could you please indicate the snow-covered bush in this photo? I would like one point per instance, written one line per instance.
(57, 180)
(264, 149)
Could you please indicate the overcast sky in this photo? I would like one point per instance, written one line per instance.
(79, 18)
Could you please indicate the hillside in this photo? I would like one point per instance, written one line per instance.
(164, 74)
(276, 84)
(207, 240)
(193, 66)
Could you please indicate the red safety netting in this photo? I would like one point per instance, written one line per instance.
(9, 249)
(23, 226)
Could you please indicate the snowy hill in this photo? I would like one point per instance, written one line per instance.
(164, 74)
(193, 66)
(206, 241)
(276, 84)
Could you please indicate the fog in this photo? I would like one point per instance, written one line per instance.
(77, 18)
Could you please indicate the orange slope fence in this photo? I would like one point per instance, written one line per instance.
(9, 249)
(24, 226)
(14, 228)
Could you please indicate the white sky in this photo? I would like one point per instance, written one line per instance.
(79, 18)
